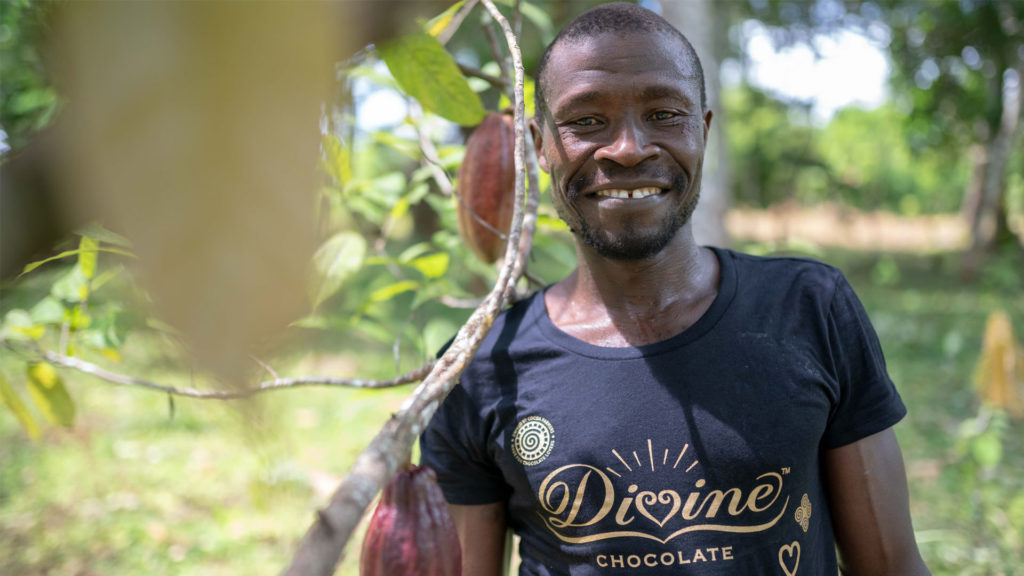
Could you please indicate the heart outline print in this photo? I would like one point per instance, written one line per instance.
(792, 551)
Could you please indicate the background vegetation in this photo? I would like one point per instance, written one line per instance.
(100, 479)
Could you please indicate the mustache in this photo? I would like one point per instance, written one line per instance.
(577, 184)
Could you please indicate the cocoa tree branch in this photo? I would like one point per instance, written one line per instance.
(494, 81)
(492, 42)
(72, 363)
(320, 549)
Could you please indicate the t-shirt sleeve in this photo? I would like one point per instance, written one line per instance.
(867, 401)
(454, 445)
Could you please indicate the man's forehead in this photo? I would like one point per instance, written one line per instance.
(600, 51)
(654, 65)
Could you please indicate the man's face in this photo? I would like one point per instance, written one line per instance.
(624, 142)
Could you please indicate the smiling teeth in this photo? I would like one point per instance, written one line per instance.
(638, 193)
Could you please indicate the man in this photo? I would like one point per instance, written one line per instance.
(667, 408)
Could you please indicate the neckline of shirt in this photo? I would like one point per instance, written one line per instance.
(726, 291)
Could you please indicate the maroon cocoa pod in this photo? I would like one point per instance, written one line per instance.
(411, 532)
(487, 186)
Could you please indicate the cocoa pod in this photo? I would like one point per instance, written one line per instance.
(411, 532)
(486, 186)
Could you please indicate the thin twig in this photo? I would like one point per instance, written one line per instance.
(266, 367)
(492, 41)
(102, 373)
(431, 158)
(321, 547)
(494, 81)
(479, 220)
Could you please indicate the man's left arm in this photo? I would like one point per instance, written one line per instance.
(867, 487)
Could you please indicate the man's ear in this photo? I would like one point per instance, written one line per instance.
(536, 133)
(707, 125)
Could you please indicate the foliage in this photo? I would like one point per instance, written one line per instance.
(131, 489)
(950, 58)
(388, 275)
(860, 158)
(65, 319)
(27, 100)
(954, 64)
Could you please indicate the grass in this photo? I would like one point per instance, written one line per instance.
(228, 488)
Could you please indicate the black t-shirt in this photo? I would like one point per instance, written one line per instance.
(700, 454)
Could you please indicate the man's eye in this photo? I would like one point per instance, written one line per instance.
(663, 115)
(585, 122)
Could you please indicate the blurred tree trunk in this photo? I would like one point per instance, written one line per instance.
(986, 201)
(705, 23)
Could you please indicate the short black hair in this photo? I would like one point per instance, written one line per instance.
(619, 17)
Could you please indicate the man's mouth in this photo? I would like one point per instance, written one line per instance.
(633, 194)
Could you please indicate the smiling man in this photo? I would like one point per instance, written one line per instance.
(667, 408)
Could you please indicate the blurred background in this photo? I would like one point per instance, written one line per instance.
(211, 195)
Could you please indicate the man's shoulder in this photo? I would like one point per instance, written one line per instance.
(783, 270)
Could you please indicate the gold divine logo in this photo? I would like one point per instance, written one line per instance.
(568, 496)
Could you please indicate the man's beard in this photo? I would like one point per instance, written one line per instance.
(629, 245)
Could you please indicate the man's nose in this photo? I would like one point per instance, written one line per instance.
(629, 147)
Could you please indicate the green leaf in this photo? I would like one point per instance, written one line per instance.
(106, 276)
(429, 293)
(71, 287)
(50, 395)
(425, 71)
(541, 19)
(548, 223)
(414, 251)
(87, 256)
(18, 408)
(987, 449)
(390, 291)
(33, 265)
(438, 23)
(47, 311)
(400, 209)
(432, 266)
(29, 100)
(78, 319)
(337, 159)
(161, 326)
(104, 236)
(402, 145)
(19, 325)
(336, 261)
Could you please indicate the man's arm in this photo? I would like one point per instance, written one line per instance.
(867, 486)
(482, 537)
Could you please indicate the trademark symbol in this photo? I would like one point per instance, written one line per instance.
(785, 470)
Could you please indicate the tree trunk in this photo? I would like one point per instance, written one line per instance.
(987, 223)
(705, 25)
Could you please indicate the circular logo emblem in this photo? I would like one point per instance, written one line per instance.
(532, 440)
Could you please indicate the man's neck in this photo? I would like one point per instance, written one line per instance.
(635, 302)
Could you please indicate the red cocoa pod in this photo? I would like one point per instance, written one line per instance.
(411, 532)
(487, 186)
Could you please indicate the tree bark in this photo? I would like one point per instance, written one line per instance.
(704, 24)
(987, 223)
